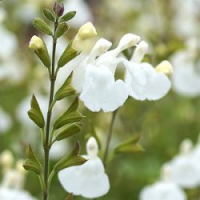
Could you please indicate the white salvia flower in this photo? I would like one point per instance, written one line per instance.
(186, 76)
(88, 180)
(13, 194)
(101, 91)
(185, 169)
(164, 189)
(8, 43)
(145, 83)
(142, 79)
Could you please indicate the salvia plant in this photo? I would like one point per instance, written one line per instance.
(91, 69)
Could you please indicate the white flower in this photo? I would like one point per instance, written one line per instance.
(88, 180)
(186, 76)
(101, 91)
(185, 169)
(13, 194)
(94, 75)
(144, 82)
(165, 189)
(5, 121)
(162, 191)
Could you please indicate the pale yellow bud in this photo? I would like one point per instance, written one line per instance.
(86, 31)
(36, 43)
(85, 38)
(6, 159)
(19, 166)
(165, 67)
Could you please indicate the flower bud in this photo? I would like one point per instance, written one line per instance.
(39, 47)
(36, 43)
(84, 40)
(58, 8)
(165, 67)
(6, 159)
(87, 31)
(92, 147)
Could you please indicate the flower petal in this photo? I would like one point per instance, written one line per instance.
(101, 91)
(145, 83)
(88, 180)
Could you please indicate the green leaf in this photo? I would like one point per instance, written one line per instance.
(49, 15)
(130, 145)
(70, 197)
(130, 149)
(35, 113)
(68, 55)
(40, 25)
(32, 163)
(65, 90)
(70, 116)
(68, 16)
(72, 159)
(68, 131)
(62, 29)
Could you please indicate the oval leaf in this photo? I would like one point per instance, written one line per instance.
(42, 26)
(49, 15)
(62, 29)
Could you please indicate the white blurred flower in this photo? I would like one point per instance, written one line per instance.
(185, 169)
(13, 194)
(186, 18)
(83, 14)
(8, 43)
(165, 189)
(13, 179)
(5, 122)
(186, 76)
(88, 180)
(162, 191)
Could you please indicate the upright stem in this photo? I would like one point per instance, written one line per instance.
(48, 121)
(109, 137)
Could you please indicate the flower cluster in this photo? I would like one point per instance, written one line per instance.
(183, 171)
(94, 72)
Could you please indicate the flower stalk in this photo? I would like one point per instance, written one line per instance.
(49, 113)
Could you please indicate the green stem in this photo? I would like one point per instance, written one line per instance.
(109, 137)
(48, 121)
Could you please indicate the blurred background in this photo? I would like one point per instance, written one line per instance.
(171, 29)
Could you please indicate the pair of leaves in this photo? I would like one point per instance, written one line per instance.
(68, 55)
(130, 146)
(32, 163)
(35, 113)
(65, 90)
(70, 116)
(72, 159)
